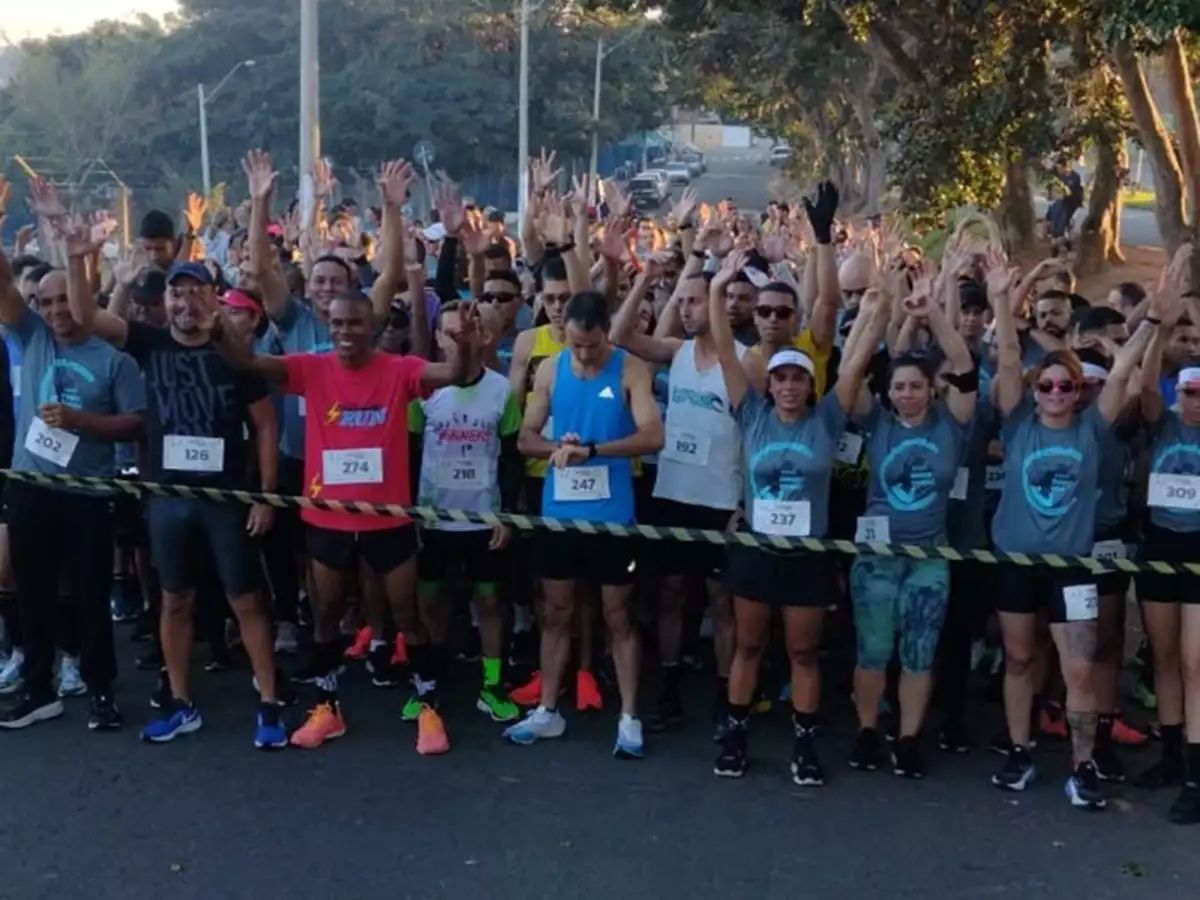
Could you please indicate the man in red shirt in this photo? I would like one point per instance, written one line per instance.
(356, 449)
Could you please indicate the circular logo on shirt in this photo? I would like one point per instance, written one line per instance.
(61, 383)
(1177, 459)
(1049, 478)
(777, 471)
(907, 476)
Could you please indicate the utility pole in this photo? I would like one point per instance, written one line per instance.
(310, 108)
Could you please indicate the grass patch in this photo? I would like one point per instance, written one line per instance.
(1137, 198)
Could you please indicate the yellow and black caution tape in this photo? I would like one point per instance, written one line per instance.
(649, 532)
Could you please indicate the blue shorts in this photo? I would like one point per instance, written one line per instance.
(186, 536)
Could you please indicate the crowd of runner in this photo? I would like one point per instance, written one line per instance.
(782, 374)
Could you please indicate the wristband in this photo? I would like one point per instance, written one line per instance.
(591, 448)
(1152, 320)
(684, 227)
(700, 254)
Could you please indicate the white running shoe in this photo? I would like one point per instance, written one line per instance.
(629, 739)
(70, 682)
(10, 674)
(539, 724)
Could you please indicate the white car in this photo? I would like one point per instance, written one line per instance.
(780, 154)
(679, 172)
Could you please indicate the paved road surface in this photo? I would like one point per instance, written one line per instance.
(92, 817)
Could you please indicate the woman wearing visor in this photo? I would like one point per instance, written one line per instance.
(788, 441)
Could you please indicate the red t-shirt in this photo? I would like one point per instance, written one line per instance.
(355, 433)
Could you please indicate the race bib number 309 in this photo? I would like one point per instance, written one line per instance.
(1174, 491)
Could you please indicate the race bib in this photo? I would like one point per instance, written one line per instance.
(849, 448)
(782, 518)
(993, 478)
(1081, 602)
(578, 483)
(14, 375)
(52, 444)
(961, 477)
(185, 453)
(1109, 550)
(873, 530)
(353, 466)
(1174, 491)
(462, 474)
(686, 447)
(302, 405)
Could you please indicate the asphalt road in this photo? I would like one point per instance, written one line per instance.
(97, 816)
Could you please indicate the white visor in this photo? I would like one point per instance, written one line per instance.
(792, 357)
(1093, 372)
(1188, 377)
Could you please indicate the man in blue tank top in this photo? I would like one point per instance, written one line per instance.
(599, 403)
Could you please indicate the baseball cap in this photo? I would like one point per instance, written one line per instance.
(1189, 377)
(236, 299)
(435, 232)
(789, 356)
(195, 270)
(149, 285)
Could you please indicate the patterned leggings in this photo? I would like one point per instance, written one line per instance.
(892, 595)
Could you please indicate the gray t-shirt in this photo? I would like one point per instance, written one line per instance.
(1176, 451)
(91, 376)
(912, 471)
(1050, 491)
(1116, 459)
(966, 518)
(790, 463)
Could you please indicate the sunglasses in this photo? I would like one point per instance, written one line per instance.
(491, 297)
(1190, 391)
(774, 312)
(1065, 386)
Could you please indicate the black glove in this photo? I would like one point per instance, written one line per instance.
(821, 214)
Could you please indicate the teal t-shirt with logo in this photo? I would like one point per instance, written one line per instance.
(1176, 452)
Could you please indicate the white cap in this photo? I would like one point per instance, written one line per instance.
(1188, 376)
(792, 357)
(435, 232)
(1093, 372)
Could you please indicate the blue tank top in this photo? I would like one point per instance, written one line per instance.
(595, 409)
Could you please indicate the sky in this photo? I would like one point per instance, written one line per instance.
(23, 20)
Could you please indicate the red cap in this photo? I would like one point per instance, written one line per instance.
(240, 300)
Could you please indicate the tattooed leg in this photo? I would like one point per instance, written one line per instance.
(1076, 642)
(1083, 734)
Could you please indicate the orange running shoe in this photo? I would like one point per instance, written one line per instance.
(400, 657)
(361, 645)
(1124, 733)
(1052, 723)
(431, 733)
(587, 692)
(324, 723)
(529, 694)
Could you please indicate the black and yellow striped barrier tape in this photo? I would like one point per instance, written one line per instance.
(649, 532)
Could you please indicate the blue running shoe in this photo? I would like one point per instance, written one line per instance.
(180, 717)
(269, 731)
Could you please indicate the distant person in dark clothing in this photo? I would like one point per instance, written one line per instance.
(1063, 210)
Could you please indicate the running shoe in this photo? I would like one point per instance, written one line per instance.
(1083, 787)
(953, 737)
(1126, 735)
(269, 731)
(361, 645)
(539, 724)
(308, 674)
(324, 723)
(400, 656)
(530, 693)
(494, 701)
(411, 711)
(1108, 764)
(285, 694)
(1053, 723)
(10, 674)
(431, 733)
(175, 719)
(103, 714)
(384, 673)
(30, 710)
(1167, 772)
(587, 692)
(221, 660)
(287, 639)
(868, 751)
(70, 682)
(907, 761)
(806, 768)
(733, 761)
(1018, 771)
(1001, 744)
(1186, 808)
(630, 743)
(668, 711)
(1143, 695)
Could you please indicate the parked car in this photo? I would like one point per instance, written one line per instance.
(780, 154)
(679, 172)
(648, 189)
(696, 162)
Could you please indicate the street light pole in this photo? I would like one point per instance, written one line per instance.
(204, 167)
(310, 115)
(523, 115)
(593, 168)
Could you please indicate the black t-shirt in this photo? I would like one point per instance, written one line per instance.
(197, 410)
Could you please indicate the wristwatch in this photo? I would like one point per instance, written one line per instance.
(591, 448)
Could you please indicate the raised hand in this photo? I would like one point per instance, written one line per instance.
(44, 200)
(473, 238)
(193, 213)
(614, 244)
(618, 200)
(393, 180)
(542, 172)
(260, 174)
(556, 220)
(821, 214)
(448, 200)
(684, 206)
(77, 235)
(102, 226)
(322, 178)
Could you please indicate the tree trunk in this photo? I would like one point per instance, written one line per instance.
(1017, 215)
(1187, 127)
(1168, 176)
(1098, 238)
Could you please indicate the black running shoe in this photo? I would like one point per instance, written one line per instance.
(953, 737)
(907, 761)
(806, 768)
(384, 673)
(1108, 764)
(31, 709)
(1083, 787)
(1017, 773)
(1186, 808)
(668, 712)
(103, 714)
(1167, 772)
(732, 763)
(868, 751)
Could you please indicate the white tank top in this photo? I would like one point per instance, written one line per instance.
(701, 461)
